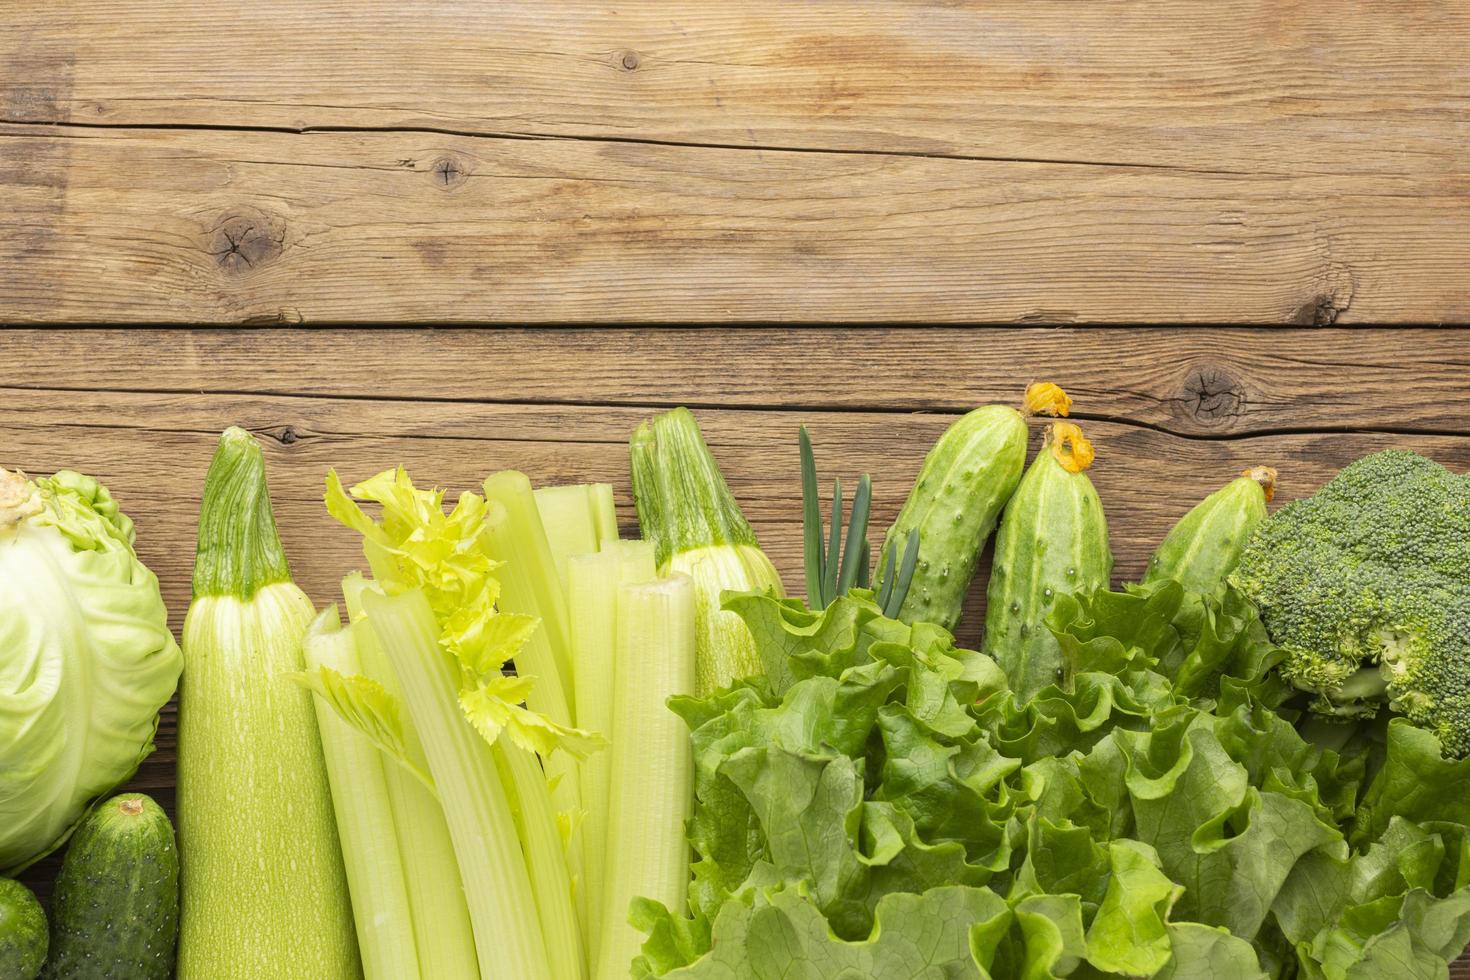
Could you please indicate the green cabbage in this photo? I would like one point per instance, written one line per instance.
(86, 658)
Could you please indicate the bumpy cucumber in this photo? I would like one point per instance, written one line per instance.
(22, 932)
(965, 481)
(1205, 545)
(1053, 540)
(116, 910)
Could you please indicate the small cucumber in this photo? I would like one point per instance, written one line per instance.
(1053, 540)
(22, 932)
(1205, 545)
(965, 481)
(116, 910)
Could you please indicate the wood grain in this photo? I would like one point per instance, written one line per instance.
(1021, 161)
(141, 410)
(1246, 86)
(1219, 384)
(140, 225)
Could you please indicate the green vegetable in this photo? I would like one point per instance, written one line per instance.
(778, 936)
(886, 806)
(23, 939)
(532, 588)
(1053, 541)
(432, 610)
(1366, 586)
(486, 842)
(965, 481)
(651, 790)
(441, 922)
(592, 588)
(835, 571)
(263, 886)
(366, 826)
(697, 529)
(116, 908)
(578, 519)
(87, 658)
(1205, 545)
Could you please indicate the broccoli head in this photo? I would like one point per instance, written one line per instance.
(1366, 588)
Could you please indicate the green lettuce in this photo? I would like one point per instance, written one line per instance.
(880, 804)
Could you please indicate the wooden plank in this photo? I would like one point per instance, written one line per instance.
(142, 225)
(152, 450)
(1216, 384)
(1255, 86)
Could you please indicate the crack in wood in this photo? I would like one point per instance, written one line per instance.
(645, 141)
(289, 434)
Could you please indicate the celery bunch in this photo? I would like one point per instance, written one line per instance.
(487, 885)
(484, 832)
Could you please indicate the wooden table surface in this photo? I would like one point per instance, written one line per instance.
(1011, 161)
(1173, 414)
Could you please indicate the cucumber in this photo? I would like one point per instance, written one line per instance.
(1053, 540)
(22, 932)
(116, 909)
(965, 481)
(1205, 545)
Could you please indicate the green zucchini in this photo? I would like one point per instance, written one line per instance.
(1205, 545)
(116, 909)
(22, 932)
(1053, 540)
(965, 481)
(263, 888)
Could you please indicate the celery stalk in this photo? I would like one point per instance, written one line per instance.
(687, 511)
(497, 887)
(441, 922)
(529, 586)
(592, 586)
(365, 827)
(546, 859)
(651, 763)
(604, 512)
(571, 528)
(529, 581)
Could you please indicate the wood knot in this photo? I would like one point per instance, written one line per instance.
(449, 172)
(629, 60)
(1210, 395)
(1320, 312)
(245, 239)
(288, 435)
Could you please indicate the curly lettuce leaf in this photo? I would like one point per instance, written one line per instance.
(1159, 811)
(1230, 844)
(1200, 952)
(1416, 782)
(780, 934)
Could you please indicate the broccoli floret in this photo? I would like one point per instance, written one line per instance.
(1366, 587)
